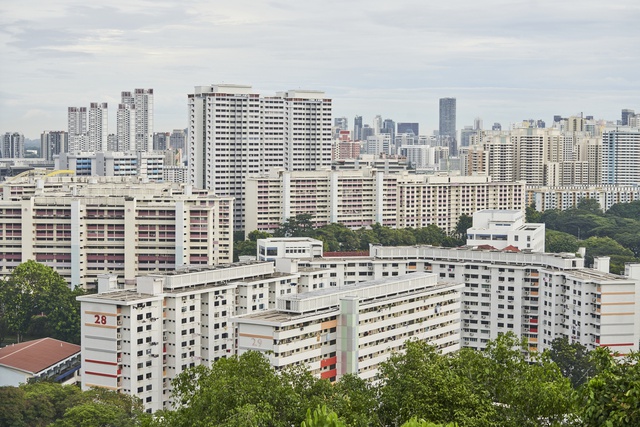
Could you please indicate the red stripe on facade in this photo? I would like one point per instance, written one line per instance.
(328, 374)
(101, 362)
(329, 361)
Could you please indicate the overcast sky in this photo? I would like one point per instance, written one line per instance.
(504, 60)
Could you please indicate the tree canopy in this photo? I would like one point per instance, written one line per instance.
(36, 301)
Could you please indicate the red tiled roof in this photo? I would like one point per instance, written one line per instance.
(487, 247)
(511, 248)
(37, 355)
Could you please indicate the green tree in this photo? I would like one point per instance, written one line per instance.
(612, 398)
(255, 235)
(532, 215)
(414, 422)
(355, 400)
(34, 289)
(606, 246)
(573, 359)
(527, 387)
(245, 386)
(557, 242)
(589, 205)
(464, 223)
(423, 383)
(245, 247)
(625, 210)
(321, 417)
(12, 407)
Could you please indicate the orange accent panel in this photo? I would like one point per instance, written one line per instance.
(329, 324)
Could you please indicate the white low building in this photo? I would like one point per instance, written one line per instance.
(505, 228)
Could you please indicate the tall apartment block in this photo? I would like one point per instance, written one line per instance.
(137, 340)
(53, 143)
(447, 126)
(77, 128)
(620, 156)
(235, 133)
(126, 127)
(98, 127)
(12, 145)
(85, 227)
(141, 100)
(361, 198)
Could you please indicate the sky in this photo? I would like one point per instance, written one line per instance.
(503, 60)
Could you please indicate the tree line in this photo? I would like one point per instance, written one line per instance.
(505, 385)
(614, 233)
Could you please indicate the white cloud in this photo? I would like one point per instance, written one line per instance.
(504, 60)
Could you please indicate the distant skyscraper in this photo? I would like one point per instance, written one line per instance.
(142, 100)
(126, 127)
(357, 128)
(77, 128)
(98, 126)
(465, 135)
(367, 131)
(178, 140)
(447, 128)
(496, 126)
(341, 123)
(477, 123)
(626, 114)
(161, 141)
(409, 128)
(13, 145)
(389, 126)
(377, 124)
(53, 143)
(112, 142)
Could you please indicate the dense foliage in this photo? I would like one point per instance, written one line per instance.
(504, 385)
(35, 302)
(615, 234)
(51, 404)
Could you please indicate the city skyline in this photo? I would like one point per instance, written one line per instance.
(503, 62)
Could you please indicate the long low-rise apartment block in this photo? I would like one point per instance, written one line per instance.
(539, 296)
(88, 226)
(137, 340)
(567, 197)
(361, 198)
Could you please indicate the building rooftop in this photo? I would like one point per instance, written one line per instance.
(38, 355)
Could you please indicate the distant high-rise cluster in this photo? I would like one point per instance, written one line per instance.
(12, 145)
(89, 129)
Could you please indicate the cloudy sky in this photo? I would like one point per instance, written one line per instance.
(504, 60)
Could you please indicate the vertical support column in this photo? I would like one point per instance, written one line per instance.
(180, 238)
(77, 243)
(348, 322)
